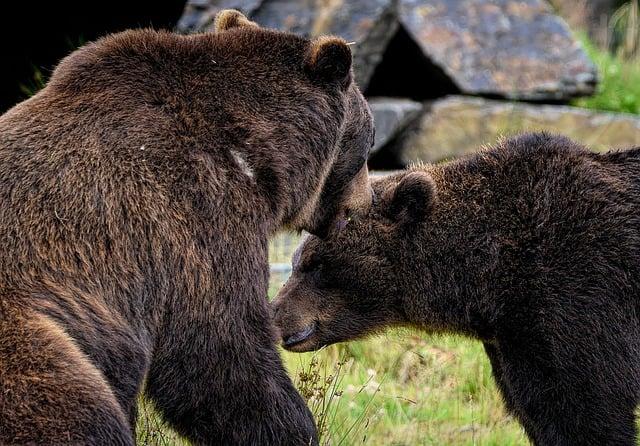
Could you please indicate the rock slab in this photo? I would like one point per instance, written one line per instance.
(516, 49)
(391, 116)
(457, 125)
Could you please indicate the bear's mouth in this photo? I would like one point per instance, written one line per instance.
(296, 340)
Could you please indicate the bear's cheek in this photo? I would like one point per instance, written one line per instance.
(331, 310)
(293, 309)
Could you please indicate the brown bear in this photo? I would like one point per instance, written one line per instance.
(138, 191)
(532, 247)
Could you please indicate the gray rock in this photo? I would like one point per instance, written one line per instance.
(458, 125)
(391, 116)
(515, 49)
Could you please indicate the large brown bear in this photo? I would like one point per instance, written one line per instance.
(532, 247)
(137, 194)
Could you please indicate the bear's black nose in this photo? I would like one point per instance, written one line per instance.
(302, 335)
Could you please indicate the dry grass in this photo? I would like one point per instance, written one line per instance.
(624, 30)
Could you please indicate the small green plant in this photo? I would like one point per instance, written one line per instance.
(36, 83)
(320, 391)
(38, 78)
(619, 86)
(320, 382)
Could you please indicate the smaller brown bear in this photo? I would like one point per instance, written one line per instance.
(532, 247)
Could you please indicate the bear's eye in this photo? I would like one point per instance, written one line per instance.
(342, 223)
(351, 216)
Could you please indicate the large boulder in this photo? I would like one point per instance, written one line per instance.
(507, 48)
(458, 125)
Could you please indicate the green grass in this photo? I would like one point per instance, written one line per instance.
(406, 388)
(619, 87)
(151, 430)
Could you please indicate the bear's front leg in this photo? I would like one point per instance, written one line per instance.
(564, 400)
(218, 379)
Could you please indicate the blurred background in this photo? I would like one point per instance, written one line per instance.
(443, 78)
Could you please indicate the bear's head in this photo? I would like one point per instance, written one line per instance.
(342, 184)
(354, 282)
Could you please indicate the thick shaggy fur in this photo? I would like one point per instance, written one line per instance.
(532, 247)
(137, 194)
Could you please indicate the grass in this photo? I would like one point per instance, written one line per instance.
(151, 430)
(619, 86)
(36, 83)
(405, 388)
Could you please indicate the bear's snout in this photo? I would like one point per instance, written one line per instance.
(296, 328)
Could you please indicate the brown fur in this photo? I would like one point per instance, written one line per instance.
(138, 190)
(532, 247)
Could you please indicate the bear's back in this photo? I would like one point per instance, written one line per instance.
(552, 194)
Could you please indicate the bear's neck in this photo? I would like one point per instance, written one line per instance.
(464, 257)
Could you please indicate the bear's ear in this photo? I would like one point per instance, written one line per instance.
(413, 199)
(230, 18)
(329, 58)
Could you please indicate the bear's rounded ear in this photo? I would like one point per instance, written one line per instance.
(329, 58)
(413, 199)
(230, 18)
